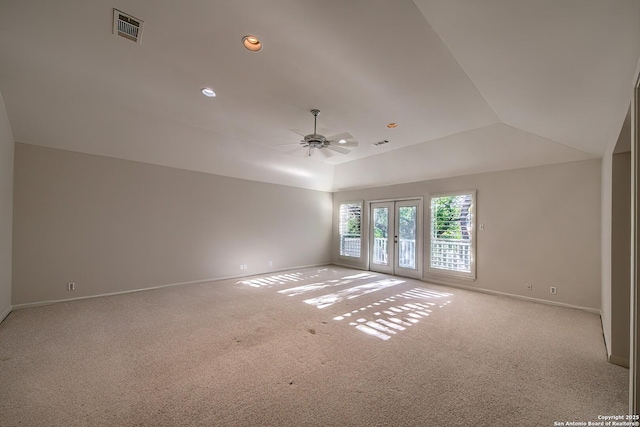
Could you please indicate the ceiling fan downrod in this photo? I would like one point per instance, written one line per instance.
(315, 113)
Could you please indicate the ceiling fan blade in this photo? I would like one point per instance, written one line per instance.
(338, 149)
(345, 136)
(338, 137)
(297, 144)
(298, 132)
(294, 151)
(325, 153)
(346, 144)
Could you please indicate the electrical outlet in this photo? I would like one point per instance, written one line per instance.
(71, 286)
(270, 263)
(529, 286)
(553, 290)
(241, 266)
(481, 227)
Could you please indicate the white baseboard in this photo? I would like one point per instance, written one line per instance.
(605, 337)
(218, 279)
(538, 300)
(620, 361)
(355, 267)
(489, 291)
(193, 282)
(616, 360)
(5, 313)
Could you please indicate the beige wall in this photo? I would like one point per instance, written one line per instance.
(620, 257)
(6, 210)
(542, 226)
(114, 225)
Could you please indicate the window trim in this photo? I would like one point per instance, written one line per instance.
(362, 218)
(472, 275)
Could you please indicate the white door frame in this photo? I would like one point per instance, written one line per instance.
(393, 266)
(634, 324)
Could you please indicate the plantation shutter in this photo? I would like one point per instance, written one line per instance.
(350, 229)
(452, 233)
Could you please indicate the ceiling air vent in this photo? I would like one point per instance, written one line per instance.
(386, 141)
(127, 26)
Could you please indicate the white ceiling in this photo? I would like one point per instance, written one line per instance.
(474, 85)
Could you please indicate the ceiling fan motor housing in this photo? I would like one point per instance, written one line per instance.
(315, 140)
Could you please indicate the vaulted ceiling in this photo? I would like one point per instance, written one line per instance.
(474, 85)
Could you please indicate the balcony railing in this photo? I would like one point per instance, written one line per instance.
(451, 255)
(445, 254)
(406, 252)
(380, 251)
(350, 245)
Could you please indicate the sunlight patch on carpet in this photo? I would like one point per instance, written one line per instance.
(284, 278)
(354, 292)
(304, 289)
(404, 310)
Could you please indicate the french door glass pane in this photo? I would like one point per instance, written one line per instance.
(407, 236)
(381, 236)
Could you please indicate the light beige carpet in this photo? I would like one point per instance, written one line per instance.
(314, 347)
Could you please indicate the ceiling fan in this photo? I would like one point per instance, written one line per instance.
(315, 141)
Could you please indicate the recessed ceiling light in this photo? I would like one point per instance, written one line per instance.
(392, 125)
(342, 141)
(207, 91)
(252, 43)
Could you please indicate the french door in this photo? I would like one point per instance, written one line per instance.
(395, 238)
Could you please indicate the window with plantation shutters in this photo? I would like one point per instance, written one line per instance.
(350, 229)
(452, 235)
